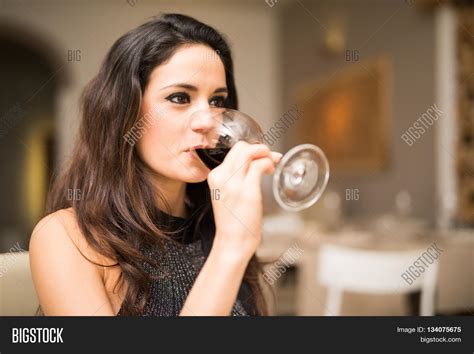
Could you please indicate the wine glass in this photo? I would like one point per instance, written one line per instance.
(301, 175)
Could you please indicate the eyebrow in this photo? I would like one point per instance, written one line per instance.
(193, 88)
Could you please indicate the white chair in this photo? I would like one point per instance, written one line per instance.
(17, 292)
(373, 272)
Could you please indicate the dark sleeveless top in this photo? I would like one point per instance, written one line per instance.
(179, 265)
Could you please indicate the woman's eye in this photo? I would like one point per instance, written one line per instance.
(217, 101)
(179, 98)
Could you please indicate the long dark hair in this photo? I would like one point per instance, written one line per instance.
(117, 209)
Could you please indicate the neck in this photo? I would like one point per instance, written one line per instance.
(173, 193)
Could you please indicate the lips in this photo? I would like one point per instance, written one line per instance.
(191, 152)
(196, 147)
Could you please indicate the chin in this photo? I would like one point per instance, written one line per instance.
(195, 176)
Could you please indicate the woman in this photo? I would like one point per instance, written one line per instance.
(141, 235)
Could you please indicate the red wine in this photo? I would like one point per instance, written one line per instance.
(212, 157)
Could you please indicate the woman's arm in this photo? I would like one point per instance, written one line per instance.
(66, 283)
(238, 218)
(215, 290)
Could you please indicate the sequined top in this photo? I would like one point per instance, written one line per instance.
(178, 268)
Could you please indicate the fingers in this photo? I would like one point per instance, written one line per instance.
(254, 159)
(276, 157)
(241, 155)
(259, 167)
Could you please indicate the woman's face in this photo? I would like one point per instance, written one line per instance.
(192, 79)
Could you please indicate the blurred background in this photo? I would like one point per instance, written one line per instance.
(385, 88)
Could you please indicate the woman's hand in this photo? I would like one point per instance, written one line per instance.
(237, 199)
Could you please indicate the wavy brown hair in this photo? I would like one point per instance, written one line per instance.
(117, 211)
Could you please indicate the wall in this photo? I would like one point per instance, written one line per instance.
(406, 36)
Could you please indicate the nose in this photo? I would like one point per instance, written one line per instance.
(204, 121)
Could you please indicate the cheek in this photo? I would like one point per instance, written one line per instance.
(160, 143)
(162, 149)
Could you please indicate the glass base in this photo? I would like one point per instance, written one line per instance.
(301, 177)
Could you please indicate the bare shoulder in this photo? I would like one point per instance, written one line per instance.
(60, 222)
(60, 232)
(66, 281)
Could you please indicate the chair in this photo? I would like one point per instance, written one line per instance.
(374, 272)
(17, 292)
